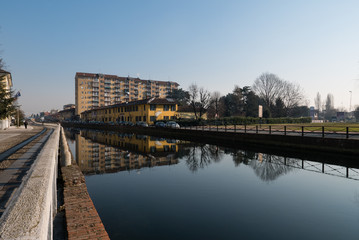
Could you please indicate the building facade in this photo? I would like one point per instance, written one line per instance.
(6, 80)
(100, 90)
(147, 110)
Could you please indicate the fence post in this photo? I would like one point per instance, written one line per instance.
(323, 132)
(347, 132)
(270, 130)
(285, 130)
(302, 131)
(256, 129)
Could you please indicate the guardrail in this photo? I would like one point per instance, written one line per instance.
(293, 130)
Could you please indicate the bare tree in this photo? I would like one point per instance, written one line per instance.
(215, 102)
(318, 101)
(204, 101)
(292, 95)
(193, 95)
(269, 87)
(199, 99)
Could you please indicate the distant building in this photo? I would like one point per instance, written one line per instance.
(69, 106)
(67, 114)
(313, 113)
(340, 117)
(100, 90)
(6, 79)
(147, 110)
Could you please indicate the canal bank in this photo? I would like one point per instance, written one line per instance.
(81, 217)
(29, 213)
(33, 206)
(283, 143)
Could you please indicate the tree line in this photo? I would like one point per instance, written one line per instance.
(278, 97)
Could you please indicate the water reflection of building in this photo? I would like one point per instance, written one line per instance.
(99, 152)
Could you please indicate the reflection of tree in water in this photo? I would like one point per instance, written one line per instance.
(201, 155)
(270, 167)
(266, 167)
(240, 156)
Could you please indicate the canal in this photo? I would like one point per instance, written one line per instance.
(147, 187)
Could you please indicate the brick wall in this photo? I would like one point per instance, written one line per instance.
(83, 221)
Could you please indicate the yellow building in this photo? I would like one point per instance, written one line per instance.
(107, 152)
(147, 110)
(99, 90)
(6, 80)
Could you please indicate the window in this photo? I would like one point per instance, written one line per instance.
(152, 107)
(173, 117)
(144, 107)
(166, 107)
(152, 118)
(173, 108)
(166, 118)
(153, 149)
(136, 108)
(144, 118)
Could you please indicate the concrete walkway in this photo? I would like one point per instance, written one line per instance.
(14, 135)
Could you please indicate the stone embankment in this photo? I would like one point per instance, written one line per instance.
(30, 213)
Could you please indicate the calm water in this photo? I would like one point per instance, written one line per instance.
(152, 188)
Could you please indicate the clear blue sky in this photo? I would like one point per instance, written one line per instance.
(216, 44)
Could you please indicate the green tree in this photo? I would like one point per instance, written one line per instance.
(180, 95)
(279, 108)
(6, 101)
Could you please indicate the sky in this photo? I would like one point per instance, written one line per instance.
(216, 44)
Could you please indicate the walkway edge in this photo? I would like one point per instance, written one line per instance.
(30, 214)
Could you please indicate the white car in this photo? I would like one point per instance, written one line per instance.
(172, 124)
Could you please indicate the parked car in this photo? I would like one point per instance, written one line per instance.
(160, 124)
(141, 124)
(172, 124)
(130, 124)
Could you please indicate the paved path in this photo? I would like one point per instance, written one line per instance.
(12, 172)
(13, 136)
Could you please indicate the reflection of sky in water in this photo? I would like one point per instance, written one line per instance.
(226, 194)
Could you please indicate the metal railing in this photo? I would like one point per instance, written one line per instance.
(286, 130)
